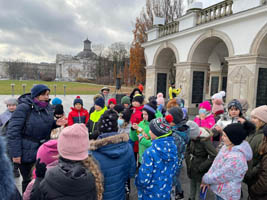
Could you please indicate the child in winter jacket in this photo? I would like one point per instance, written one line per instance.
(229, 167)
(78, 113)
(199, 156)
(140, 132)
(180, 133)
(48, 154)
(258, 189)
(205, 118)
(112, 103)
(259, 119)
(92, 123)
(154, 179)
(76, 176)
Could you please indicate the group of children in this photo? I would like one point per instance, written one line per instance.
(98, 151)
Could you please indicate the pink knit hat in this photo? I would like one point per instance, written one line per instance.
(47, 152)
(260, 113)
(73, 142)
(206, 105)
(160, 99)
(217, 107)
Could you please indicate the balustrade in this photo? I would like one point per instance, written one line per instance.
(168, 29)
(214, 12)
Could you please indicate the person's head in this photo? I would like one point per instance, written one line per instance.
(234, 134)
(59, 111)
(125, 116)
(112, 102)
(172, 103)
(217, 107)
(105, 91)
(73, 142)
(220, 95)
(259, 116)
(149, 111)
(160, 99)
(204, 108)
(11, 104)
(56, 101)
(48, 152)
(40, 92)
(173, 85)
(234, 108)
(118, 108)
(160, 127)
(135, 91)
(97, 96)
(180, 102)
(125, 101)
(78, 103)
(108, 122)
(194, 130)
(137, 100)
(99, 104)
(177, 115)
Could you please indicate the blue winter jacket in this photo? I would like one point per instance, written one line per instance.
(24, 140)
(116, 159)
(154, 180)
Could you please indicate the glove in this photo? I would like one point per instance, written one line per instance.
(40, 169)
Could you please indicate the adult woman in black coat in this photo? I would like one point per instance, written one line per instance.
(30, 126)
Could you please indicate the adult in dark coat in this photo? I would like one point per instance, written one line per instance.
(30, 126)
(115, 156)
(8, 190)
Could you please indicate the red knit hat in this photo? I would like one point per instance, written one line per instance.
(112, 101)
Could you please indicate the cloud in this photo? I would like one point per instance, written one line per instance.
(36, 30)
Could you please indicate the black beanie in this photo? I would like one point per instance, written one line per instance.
(78, 100)
(119, 108)
(59, 109)
(139, 98)
(236, 133)
(126, 114)
(108, 122)
(177, 114)
(151, 111)
(38, 89)
(100, 102)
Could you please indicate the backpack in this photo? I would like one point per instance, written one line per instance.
(181, 139)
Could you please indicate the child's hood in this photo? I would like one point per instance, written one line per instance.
(165, 148)
(244, 148)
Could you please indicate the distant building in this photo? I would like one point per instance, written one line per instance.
(81, 66)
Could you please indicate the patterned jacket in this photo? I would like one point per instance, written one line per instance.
(228, 170)
(154, 180)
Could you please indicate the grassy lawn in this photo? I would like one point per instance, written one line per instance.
(71, 87)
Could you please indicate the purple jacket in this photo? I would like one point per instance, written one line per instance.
(228, 170)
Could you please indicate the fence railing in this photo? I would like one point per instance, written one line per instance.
(168, 29)
(214, 12)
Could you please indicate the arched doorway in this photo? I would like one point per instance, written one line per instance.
(210, 68)
(164, 61)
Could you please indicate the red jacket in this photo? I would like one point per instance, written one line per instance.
(137, 115)
(78, 116)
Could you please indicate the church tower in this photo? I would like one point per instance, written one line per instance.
(87, 45)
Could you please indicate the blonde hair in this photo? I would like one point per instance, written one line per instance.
(263, 146)
(92, 166)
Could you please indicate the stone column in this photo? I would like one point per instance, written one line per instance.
(150, 80)
(184, 78)
(243, 77)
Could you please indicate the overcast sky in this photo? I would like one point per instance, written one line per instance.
(36, 30)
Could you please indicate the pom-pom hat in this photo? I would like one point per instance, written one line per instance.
(161, 127)
(78, 100)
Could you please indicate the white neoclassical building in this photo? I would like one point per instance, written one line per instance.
(222, 47)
